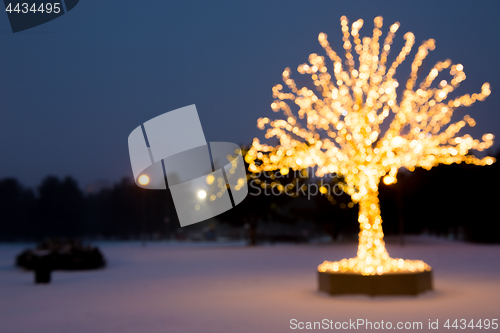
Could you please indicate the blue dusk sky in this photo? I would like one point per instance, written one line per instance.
(73, 89)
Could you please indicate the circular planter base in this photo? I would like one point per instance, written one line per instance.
(405, 283)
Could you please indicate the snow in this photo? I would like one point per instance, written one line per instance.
(168, 287)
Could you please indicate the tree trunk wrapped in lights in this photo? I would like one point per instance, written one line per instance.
(342, 131)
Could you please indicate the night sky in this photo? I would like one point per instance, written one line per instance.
(73, 89)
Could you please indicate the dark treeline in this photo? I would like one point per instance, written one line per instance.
(449, 200)
(455, 200)
(59, 208)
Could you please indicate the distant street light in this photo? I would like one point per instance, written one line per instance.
(143, 180)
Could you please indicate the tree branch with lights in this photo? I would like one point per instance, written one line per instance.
(353, 123)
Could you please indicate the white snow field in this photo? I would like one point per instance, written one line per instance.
(167, 287)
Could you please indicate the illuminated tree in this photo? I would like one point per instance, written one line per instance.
(355, 125)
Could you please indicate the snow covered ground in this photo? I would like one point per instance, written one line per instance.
(231, 288)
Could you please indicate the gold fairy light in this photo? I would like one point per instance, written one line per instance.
(342, 131)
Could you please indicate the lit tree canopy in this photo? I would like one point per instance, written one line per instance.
(350, 132)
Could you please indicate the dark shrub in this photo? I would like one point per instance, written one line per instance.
(65, 255)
